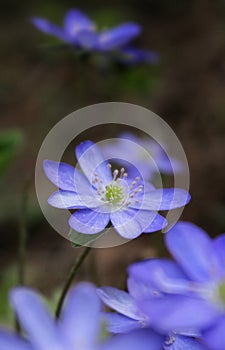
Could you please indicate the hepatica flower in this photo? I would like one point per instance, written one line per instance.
(102, 196)
(192, 289)
(80, 31)
(78, 329)
(130, 317)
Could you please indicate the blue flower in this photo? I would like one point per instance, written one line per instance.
(102, 196)
(192, 289)
(78, 329)
(80, 31)
(129, 317)
(146, 154)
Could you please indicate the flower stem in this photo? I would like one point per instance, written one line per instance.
(70, 278)
(22, 237)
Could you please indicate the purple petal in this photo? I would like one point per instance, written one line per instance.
(132, 55)
(219, 244)
(88, 221)
(76, 21)
(92, 161)
(177, 312)
(80, 321)
(66, 177)
(215, 336)
(118, 36)
(139, 289)
(49, 28)
(163, 199)
(130, 223)
(194, 251)
(119, 323)
(87, 39)
(141, 340)
(120, 301)
(72, 200)
(157, 224)
(35, 319)
(9, 341)
(178, 342)
(158, 275)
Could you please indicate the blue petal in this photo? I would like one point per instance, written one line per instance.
(176, 312)
(92, 161)
(87, 39)
(158, 275)
(49, 28)
(141, 340)
(75, 21)
(119, 323)
(215, 336)
(88, 221)
(72, 200)
(194, 251)
(9, 341)
(118, 36)
(80, 321)
(120, 301)
(179, 342)
(157, 224)
(139, 289)
(132, 55)
(35, 319)
(219, 244)
(131, 223)
(66, 177)
(163, 199)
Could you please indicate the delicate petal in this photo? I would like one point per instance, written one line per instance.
(179, 342)
(66, 177)
(130, 223)
(219, 244)
(163, 199)
(141, 340)
(215, 336)
(120, 324)
(72, 200)
(130, 55)
(118, 36)
(88, 221)
(10, 341)
(49, 28)
(157, 224)
(140, 289)
(87, 39)
(76, 21)
(176, 312)
(120, 301)
(35, 319)
(160, 275)
(92, 161)
(193, 250)
(80, 321)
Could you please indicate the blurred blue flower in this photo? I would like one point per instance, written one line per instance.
(191, 290)
(78, 329)
(80, 31)
(129, 317)
(101, 196)
(146, 154)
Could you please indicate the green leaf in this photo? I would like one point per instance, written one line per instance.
(10, 141)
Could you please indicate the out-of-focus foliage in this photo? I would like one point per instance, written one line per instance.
(10, 142)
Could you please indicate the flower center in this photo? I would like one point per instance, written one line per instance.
(221, 292)
(114, 193)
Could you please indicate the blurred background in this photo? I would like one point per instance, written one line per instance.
(40, 85)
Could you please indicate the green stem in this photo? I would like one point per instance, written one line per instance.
(70, 278)
(22, 237)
